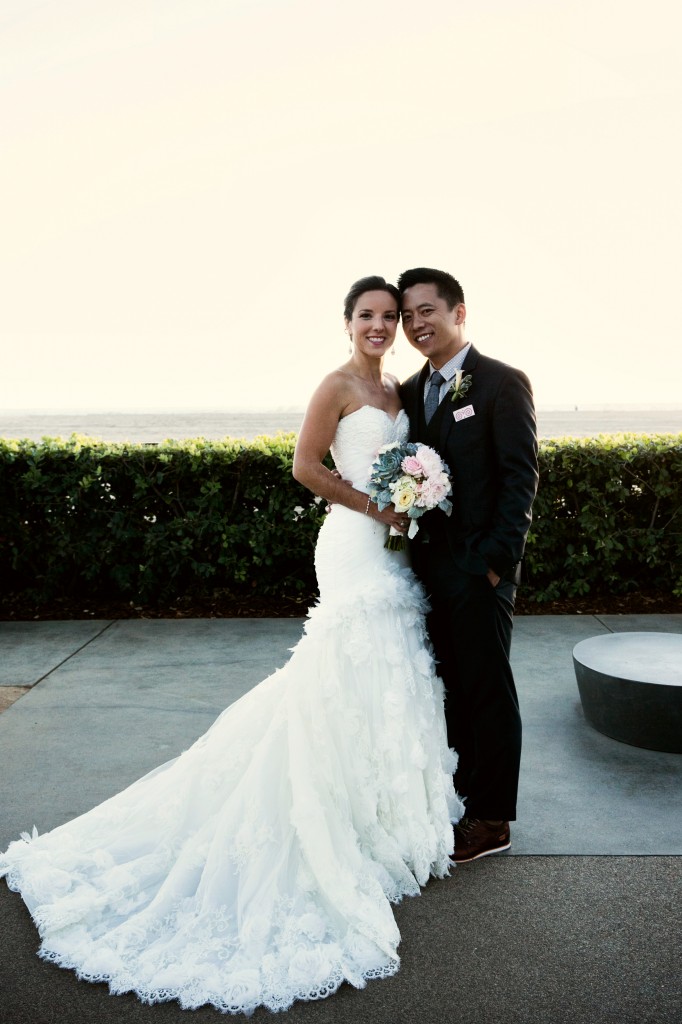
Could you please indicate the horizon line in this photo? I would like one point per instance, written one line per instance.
(564, 407)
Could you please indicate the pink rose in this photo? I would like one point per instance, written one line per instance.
(412, 466)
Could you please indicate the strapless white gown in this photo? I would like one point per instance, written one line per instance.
(260, 865)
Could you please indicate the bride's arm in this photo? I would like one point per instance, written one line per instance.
(314, 441)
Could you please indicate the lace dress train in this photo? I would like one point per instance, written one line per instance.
(259, 866)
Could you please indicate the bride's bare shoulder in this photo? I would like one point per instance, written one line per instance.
(335, 388)
(329, 402)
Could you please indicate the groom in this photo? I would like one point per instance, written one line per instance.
(478, 414)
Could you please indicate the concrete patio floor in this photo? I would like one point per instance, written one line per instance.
(107, 701)
(582, 922)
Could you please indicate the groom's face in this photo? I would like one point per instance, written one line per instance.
(430, 326)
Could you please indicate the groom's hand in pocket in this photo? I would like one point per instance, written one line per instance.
(493, 577)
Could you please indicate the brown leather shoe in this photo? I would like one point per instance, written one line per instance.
(475, 838)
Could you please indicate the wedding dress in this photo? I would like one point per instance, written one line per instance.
(260, 865)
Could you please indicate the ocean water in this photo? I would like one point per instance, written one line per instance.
(151, 428)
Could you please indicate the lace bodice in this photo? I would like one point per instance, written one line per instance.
(358, 438)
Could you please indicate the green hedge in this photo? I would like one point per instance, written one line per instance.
(608, 516)
(80, 518)
(149, 523)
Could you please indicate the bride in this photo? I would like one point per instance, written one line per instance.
(260, 865)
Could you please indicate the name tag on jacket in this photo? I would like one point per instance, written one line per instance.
(463, 414)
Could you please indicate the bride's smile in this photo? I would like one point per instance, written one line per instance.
(373, 325)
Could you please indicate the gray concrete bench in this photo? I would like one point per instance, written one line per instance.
(631, 687)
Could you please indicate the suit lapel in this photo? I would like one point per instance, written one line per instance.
(448, 421)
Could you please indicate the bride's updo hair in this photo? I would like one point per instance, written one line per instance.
(368, 284)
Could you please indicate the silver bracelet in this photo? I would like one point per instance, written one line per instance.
(369, 502)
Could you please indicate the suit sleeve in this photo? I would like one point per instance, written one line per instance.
(406, 390)
(515, 446)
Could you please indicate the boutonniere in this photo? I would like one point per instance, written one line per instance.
(460, 386)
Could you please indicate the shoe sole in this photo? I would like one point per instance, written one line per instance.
(484, 853)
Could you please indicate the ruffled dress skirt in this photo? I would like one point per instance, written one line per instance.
(260, 865)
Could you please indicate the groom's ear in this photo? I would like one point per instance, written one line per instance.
(460, 313)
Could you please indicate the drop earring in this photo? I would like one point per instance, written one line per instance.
(350, 343)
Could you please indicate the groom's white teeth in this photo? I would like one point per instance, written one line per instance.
(423, 337)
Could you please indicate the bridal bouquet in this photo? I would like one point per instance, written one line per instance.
(414, 479)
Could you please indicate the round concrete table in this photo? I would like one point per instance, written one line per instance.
(631, 687)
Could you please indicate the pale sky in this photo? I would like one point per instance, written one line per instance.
(189, 187)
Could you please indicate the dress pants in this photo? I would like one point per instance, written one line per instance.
(470, 626)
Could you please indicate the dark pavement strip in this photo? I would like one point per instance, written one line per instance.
(522, 940)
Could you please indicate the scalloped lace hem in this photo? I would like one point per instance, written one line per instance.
(238, 997)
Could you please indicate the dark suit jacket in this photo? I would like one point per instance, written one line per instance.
(492, 457)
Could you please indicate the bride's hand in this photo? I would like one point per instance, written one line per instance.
(398, 520)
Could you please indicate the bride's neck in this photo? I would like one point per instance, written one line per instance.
(369, 370)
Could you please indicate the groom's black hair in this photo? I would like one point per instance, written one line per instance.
(448, 288)
(368, 284)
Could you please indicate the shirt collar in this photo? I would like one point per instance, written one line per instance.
(453, 365)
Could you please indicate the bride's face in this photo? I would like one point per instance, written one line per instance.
(374, 323)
